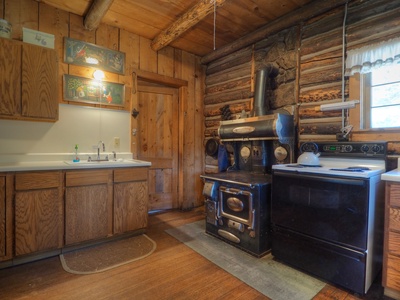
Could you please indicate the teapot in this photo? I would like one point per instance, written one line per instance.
(308, 159)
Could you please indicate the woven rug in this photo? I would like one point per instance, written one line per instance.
(109, 255)
(271, 278)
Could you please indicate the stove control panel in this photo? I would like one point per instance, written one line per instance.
(359, 149)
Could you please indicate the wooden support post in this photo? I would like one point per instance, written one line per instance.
(185, 22)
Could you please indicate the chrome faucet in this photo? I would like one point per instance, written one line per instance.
(98, 149)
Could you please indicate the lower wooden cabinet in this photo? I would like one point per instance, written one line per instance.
(45, 211)
(130, 199)
(38, 215)
(3, 216)
(6, 217)
(88, 205)
(391, 258)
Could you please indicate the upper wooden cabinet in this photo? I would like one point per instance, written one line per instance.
(10, 78)
(28, 82)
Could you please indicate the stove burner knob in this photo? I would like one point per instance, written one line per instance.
(365, 148)
(376, 148)
(348, 148)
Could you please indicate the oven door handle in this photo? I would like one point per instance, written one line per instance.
(337, 180)
(234, 191)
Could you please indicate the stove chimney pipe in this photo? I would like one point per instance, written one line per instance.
(260, 107)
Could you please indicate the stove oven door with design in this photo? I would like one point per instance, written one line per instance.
(328, 226)
(240, 216)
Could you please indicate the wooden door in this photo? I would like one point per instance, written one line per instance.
(158, 132)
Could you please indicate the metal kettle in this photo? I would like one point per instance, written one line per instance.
(308, 159)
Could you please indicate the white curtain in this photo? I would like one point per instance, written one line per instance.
(365, 59)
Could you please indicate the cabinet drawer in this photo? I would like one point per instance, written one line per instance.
(393, 272)
(132, 174)
(394, 243)
(394, 194)
(37, 180)
(88, 177)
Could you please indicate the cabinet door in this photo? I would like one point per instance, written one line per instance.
(38, 212)
(39, 83)
(391, 253)
(86, 213)
(130, 199)
(6, 216)
(130, 206)
(88, 205)
(10, 77)
(393, 272)
(2, 216)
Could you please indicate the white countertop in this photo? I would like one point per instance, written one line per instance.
(393, 175)
(62, 162)
(62, 165)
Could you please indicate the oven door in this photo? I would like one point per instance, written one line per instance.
(328, 208)
(237, 205)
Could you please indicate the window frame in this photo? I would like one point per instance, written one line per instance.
(355, 117)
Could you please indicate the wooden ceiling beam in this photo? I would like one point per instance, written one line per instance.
(185, 22)
(314, 8)
(96, 13)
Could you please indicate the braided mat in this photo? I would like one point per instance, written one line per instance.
(107, 256)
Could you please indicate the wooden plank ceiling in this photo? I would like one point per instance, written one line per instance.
(183, 24)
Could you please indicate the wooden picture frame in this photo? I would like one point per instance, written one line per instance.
(90, 55)
(81, 89)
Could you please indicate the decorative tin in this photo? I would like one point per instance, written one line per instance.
(5, 29)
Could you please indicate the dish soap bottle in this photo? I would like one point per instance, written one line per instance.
(76, 159)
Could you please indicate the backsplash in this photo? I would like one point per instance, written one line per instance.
(84, 126)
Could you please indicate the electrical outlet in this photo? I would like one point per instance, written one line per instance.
(116, 142)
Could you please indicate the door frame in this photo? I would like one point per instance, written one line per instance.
(182, 87)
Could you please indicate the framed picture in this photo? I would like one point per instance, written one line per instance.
(88, 90)
(86, 54)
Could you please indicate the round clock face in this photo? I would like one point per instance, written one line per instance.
(280, 153)
(245, 152)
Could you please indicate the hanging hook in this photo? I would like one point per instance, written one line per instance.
(135, 113)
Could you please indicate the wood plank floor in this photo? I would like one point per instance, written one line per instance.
(173, 271)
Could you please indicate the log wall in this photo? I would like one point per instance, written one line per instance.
(139, 56)
(309, 60)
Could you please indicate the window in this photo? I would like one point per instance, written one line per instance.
(381, 98)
